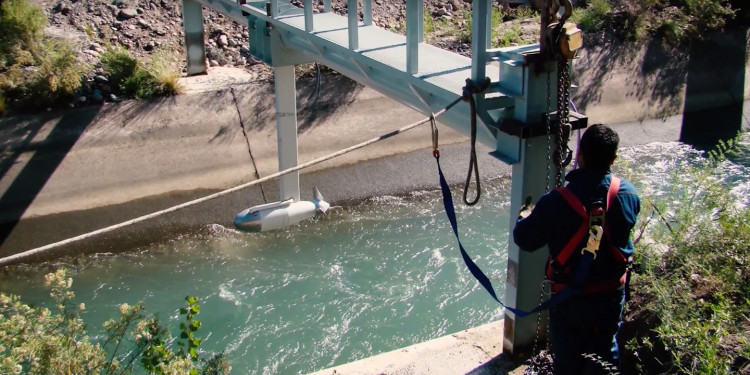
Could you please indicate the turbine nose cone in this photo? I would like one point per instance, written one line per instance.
(248, 222)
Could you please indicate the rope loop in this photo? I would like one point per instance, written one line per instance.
(468, 95)
(472, 88)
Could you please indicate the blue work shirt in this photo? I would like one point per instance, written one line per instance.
(553, 222)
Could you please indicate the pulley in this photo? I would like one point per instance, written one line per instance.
(564, 38)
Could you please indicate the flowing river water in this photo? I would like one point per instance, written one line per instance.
(365, 279)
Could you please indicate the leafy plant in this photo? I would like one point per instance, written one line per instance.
(59, 72)
(21, 25)
(34, 70)
(695, 280)
(35, 340)
(190, 345)
(510, 36)
(592, 17)
(135, 79)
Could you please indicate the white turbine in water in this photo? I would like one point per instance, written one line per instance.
(280, 214)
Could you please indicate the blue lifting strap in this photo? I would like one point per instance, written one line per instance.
(556, 298)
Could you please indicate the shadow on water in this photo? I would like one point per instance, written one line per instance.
(714, 94)
(48, 154)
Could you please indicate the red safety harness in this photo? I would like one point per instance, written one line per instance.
(574, 243)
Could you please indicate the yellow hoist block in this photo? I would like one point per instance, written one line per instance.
(571, 40)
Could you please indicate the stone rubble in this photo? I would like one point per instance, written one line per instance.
(145, 26)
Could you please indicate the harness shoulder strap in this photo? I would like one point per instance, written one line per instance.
(614, 187)
(576, 204)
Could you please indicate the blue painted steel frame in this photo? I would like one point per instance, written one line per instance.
(401, 85)
(517, 92)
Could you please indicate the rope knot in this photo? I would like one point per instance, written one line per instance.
(472, 88)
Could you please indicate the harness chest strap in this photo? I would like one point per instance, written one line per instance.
(576, 204)
(582, 231)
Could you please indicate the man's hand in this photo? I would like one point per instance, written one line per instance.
(526, 209)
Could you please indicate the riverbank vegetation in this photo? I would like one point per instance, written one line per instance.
(37, 340)
(38, 71)
(35, 70)
(690, 312)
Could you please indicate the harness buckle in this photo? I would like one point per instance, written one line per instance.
(595, 239)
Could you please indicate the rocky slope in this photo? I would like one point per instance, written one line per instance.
(145, 26)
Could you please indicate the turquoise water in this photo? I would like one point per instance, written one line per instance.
(365, 279)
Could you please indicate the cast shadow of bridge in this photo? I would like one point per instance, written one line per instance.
(710, 71)
(25, 178)
(715, 89)
(51, 136)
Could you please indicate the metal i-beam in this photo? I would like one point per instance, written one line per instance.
(192, 14)
(530, 177)
(286, 130)
(309, 16)
(414, 34)
(400, 84)
(367, 12)
(353, 17)
(481, 22)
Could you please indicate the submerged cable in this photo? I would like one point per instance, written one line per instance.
(38, 250)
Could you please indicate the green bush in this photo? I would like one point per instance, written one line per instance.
(696, 279)
(706, 15)
(593, 16)
(35, 340)
(34, 70)
(59, 72)
(134, 79)
(21, 26)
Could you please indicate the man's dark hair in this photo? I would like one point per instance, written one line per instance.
(599, 146)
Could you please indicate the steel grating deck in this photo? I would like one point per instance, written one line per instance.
(443, 69)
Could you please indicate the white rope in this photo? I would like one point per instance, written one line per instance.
(28, 253)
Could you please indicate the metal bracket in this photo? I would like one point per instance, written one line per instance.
(524, 130)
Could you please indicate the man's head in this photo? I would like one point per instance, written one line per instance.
(598, 147)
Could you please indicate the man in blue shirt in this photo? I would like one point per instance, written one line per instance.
(585, 324)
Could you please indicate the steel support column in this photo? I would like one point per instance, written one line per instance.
(481, 16)
(286, 130)
(525, 271)
(367, 12)
(309, 15)
(192, 17)
(414, 34)
(352, 14)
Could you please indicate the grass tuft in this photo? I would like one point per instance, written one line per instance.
(593, 17)
(138, 80)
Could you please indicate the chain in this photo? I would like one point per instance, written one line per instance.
(533, 367)
(563, 97)
(549, 125)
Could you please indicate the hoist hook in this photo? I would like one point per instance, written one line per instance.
(567, 11)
